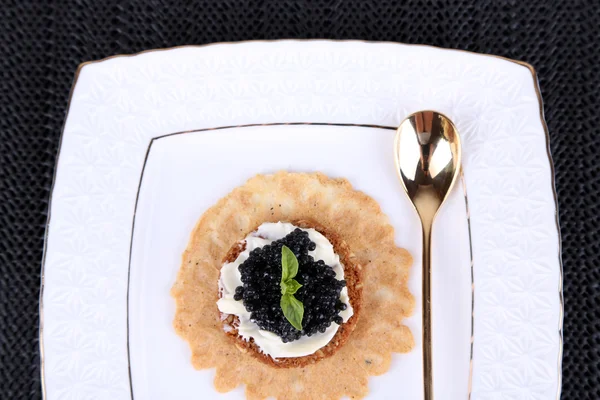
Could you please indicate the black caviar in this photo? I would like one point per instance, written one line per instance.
(261, 292)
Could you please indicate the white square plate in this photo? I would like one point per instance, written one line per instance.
(106, 323)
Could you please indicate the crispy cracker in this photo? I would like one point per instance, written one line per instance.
(354, 217)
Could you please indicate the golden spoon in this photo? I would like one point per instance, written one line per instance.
(428, 155)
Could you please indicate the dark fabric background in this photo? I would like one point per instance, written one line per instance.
(43, 42)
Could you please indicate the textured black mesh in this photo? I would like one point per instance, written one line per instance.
(43, 42)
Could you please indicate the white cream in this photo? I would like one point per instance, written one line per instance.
(268, 342)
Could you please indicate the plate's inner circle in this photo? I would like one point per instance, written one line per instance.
(186, 173)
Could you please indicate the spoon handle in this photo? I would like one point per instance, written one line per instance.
(427, 353)
(427, 204)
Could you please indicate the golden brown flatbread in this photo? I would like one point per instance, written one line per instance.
(350, 214)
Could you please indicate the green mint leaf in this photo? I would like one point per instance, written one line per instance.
(292, 286)
(293, 310)
(289, 264)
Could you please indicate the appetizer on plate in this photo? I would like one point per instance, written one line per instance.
(293, 285)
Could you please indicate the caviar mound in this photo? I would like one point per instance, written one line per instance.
(385, 299)
(352, 277)
(261, 292)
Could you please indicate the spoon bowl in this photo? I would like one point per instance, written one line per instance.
(427, 152)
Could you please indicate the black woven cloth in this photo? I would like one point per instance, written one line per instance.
(42, 42)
